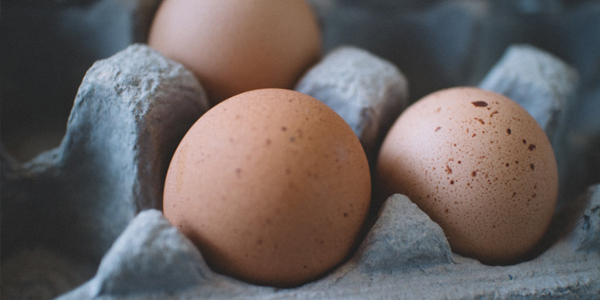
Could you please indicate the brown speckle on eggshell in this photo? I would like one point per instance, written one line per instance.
(463, 176)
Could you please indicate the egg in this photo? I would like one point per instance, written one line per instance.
(235, 46)
(479, 165)
(271, 185)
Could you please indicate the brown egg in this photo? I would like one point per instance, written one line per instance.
(235, 46)
(272, 186)
(480, 166)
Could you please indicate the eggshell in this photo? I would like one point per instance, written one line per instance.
(271, 185)
(235, 46)
(479, 165)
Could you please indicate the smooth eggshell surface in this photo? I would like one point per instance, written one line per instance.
(480, 166)
(235, 46)
(271, 185)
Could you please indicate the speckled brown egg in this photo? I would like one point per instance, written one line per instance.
(272, 186)
(235, 46)
(480, 166)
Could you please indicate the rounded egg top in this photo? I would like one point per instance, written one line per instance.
(235, 46)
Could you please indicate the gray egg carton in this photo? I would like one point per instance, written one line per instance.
(83, 220)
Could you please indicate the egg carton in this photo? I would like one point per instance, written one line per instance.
(133, 108)
(82, 221)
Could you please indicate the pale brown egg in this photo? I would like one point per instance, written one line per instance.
(272, 186)
(235, 46)
(480, 166)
